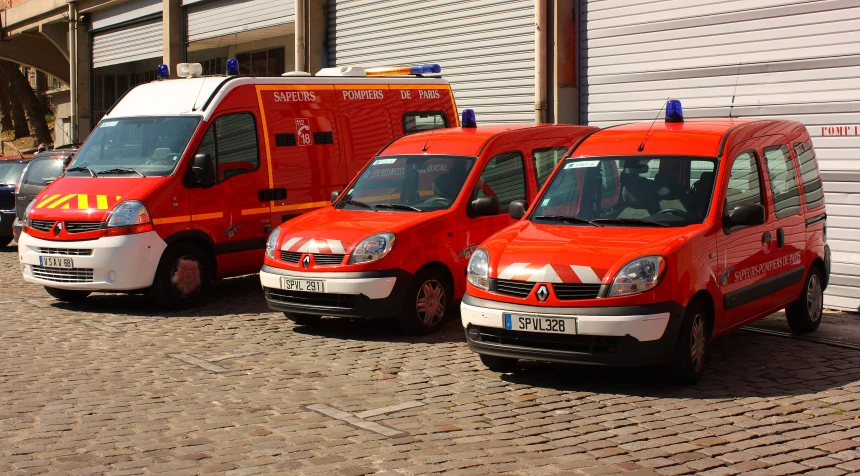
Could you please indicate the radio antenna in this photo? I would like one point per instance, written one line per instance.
(424, 149)
(737, 78)
(642, 145)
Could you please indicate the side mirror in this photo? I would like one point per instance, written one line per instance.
(334, 195)
(484, 206)
(203, 171)
(518, 209)
(744, 215)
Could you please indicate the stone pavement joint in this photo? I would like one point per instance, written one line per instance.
(103, 327)
(354, 420)
(391, 409)
(199, 362)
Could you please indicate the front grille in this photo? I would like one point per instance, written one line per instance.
(572, 292)
(518, 289)
(290, 256)
(326, 260)
(62, 275)
(64, 251)
(340, 301)
(537, 340)
(82, 226)
(42, 225)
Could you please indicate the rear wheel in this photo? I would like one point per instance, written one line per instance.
(428, 303)
(688, 362)
(5, 240)
(183, 276)
(67, 295)
(804, 315)
(498, 364)
(304, 319)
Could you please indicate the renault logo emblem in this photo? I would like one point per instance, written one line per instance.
(306, 261)
(542, 293)
(58, 229)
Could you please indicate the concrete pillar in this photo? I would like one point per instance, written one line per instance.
(565, 95)
(174, 44)
(84, 61)
(317, 56)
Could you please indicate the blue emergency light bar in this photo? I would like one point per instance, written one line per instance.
(163, 72)
(468, 120)
(425, 69)
(674, 112)
(232, 67)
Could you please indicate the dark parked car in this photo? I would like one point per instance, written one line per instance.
(10, 172)
(43, 169)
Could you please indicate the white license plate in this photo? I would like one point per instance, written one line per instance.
(550, 325)
(51, 262)
(305, 285)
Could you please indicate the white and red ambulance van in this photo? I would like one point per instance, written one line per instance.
(183, 180)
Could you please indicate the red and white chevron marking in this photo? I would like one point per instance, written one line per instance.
(550, 273)
(315, 245)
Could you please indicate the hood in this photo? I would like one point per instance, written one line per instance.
(90, 199)
(329, 230)
(572, 254)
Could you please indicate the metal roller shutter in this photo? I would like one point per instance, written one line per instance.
(129, 43)
(790, 59)
(486, 47)
(226, 17)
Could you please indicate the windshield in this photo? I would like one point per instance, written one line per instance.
(415, 183)
(43, 171)
(148, 146)
(654, 191)
(11, 172)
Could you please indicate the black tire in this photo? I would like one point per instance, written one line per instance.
(688, 361)
(5, 240)
(499, 364)
(804, 314)
(67, 295)
(421, 316)
(304, 319)
(183, 276)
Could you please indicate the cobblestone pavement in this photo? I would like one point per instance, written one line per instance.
(116, 386)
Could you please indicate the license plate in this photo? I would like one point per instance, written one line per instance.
(51, 262)
(304, 285)
(550, 325)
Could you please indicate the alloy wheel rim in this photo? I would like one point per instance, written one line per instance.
(185, 276)
(431, 303)
(697, 343)
(814, 298)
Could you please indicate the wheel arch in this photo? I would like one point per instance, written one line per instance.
(200, 239)
(822, 268)
(704, 298)
(443, 269)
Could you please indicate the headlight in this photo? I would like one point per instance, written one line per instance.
(638, 276)
(128, 213)
(272, 242)
(372, 248)
(478, 269)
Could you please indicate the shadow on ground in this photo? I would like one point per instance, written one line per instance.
(380, 330)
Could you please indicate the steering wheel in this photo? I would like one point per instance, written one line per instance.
(442, 201)
(676, 212)
(169, 158)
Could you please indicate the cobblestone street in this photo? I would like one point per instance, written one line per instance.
(114, 385)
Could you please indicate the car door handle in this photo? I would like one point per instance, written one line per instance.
(780, 237)
(766, 237)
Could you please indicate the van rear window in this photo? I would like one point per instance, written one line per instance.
(424, 121)
(809, 175)
(41, 172)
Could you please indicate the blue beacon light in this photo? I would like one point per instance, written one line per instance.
(468, 120)
(232, 67)
(674, 112)
(162, 72)
(425, 69)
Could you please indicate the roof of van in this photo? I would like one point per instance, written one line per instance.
(195, 96)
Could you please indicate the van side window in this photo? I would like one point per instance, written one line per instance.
(744, 185)
(424, 121)
(505, 178)
(809, 176)
(232, 141)
(783, 180)
(545, 161)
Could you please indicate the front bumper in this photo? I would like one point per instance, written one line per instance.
(116, 263)
(370, 294)
(618, 336)
(7, 218)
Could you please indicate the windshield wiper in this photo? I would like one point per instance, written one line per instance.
(631, 221)
(360, 204)
(399, 206)
(82, 169)
(565, 219)
(122, 170)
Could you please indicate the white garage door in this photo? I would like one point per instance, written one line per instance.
(128, 43)
(210, 19)
(485, 47)
(789, 58)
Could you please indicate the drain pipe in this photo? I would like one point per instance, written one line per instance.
(540, 61)
(73, 70)
(300, 35)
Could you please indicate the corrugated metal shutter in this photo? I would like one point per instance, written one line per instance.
(130, 43)
(790, 59)
(225, 17)
(485, 47)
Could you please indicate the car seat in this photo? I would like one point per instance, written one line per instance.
(701, 194)
(668, 194)
(640, 199)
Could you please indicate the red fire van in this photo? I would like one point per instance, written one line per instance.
(710, 225)
(397, 241)
(183, 180)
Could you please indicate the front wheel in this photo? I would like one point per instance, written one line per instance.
(67, 295)
(428, 303)
(804, 315)
(182, 277)
(304, 319)
(688, 361)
